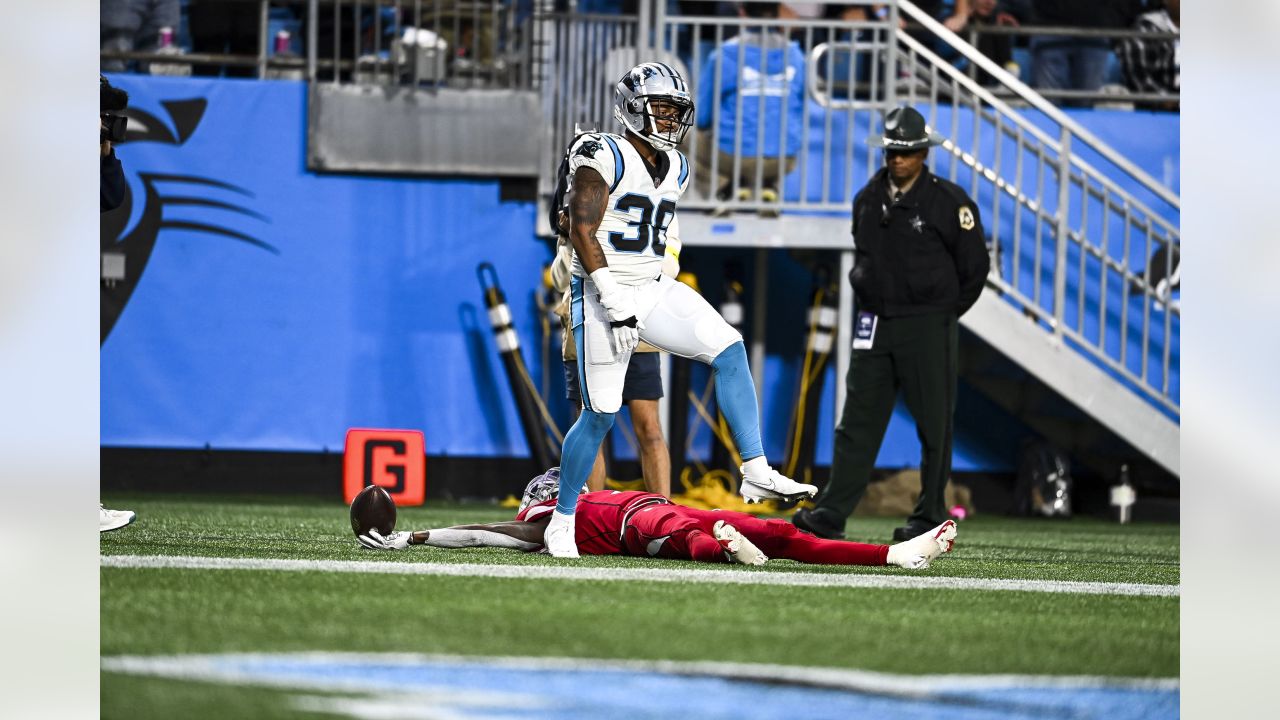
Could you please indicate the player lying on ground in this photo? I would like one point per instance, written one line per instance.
(642, 524)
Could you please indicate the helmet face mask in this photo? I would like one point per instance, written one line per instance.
(653, 101)
(543, 487)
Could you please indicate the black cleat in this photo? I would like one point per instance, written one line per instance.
(913, 529)
(816, 522)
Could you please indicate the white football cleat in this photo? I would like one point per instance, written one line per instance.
(917, 553)
(113, 519)
(737, 547)
(558, 537)
(761, 482)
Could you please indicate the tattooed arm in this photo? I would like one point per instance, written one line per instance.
(587, 201)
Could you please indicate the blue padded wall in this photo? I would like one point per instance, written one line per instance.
(281, 307)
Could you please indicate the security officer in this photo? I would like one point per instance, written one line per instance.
(919, 263)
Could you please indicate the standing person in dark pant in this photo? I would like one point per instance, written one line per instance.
(920, 263)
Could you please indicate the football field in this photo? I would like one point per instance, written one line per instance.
(267, 607)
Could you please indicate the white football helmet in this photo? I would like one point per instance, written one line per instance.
(637, 92)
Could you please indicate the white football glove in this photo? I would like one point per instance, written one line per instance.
(621, 310)
(376, 541)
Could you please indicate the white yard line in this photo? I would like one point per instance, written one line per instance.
(699, 575)
(238, 668)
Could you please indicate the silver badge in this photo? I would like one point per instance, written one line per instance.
(917, 222)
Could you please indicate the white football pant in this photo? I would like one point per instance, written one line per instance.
(675, 318)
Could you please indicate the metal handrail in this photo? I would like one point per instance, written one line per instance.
(1037, 101)
(1065, 31)
(1072, 173)
(1009, 113)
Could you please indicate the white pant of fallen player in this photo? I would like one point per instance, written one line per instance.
(762, 482)
(113, 519)
(558, 537)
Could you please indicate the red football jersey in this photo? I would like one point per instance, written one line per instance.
(599, 517)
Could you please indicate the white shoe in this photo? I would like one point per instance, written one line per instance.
(558, 537)
(113, 519)
(737, 547)
(917, 553)
(761, 482)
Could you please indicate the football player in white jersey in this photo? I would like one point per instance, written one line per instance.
(622, 208)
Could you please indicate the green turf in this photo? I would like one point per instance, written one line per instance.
(987, 547)
(125, 697)
(162, 611)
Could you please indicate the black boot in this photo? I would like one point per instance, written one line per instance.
(819, 522)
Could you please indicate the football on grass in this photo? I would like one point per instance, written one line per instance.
(373, 509)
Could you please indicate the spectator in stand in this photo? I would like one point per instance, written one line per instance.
(1064, 62)
(695, 44)
(954, 15)
(761, 72)
(128, 25)
(223, 26)
(994, 13)
(1153, 66)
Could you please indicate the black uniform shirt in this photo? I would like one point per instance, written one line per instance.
(111, 183)
(923, 253)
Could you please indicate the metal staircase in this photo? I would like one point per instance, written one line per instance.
(1077, 333)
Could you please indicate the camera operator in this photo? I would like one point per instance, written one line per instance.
(112, 188)
(111, 128)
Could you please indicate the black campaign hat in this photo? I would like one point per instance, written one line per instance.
(905, 129)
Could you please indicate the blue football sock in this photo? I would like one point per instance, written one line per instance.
(581, 444)
(736, 397)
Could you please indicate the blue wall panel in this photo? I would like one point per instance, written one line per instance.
(363, 310)
(344, 301)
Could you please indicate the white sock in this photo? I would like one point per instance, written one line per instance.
(896, 553)
(755, 465)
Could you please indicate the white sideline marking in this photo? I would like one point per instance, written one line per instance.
(559, 572)
(222, 668)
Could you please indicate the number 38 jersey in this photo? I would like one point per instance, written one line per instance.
(640, 214)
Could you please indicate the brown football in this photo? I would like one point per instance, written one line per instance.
(373, 509)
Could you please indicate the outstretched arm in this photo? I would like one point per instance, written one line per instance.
(516, 534)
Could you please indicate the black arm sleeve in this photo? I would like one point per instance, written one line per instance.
(972, 261)
(111, 185)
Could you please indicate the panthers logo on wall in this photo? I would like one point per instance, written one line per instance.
(127, 248)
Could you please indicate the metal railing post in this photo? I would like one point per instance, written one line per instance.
(644, 39)
(891, 58)
(1061, 231)
(313, 35)
(264, 12)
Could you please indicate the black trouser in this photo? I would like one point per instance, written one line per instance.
(916, 354)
